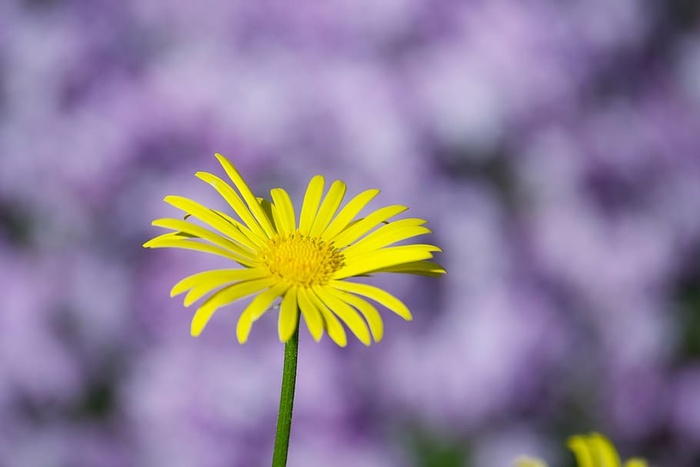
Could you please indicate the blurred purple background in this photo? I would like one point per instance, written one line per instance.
(553, 146)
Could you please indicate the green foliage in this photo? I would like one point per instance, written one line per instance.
(431, 449)
(688, 305)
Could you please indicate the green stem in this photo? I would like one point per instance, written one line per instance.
(284, 418)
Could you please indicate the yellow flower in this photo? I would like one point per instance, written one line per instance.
(306, 264)
(594, 450)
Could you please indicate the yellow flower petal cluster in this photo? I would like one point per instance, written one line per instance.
(306, 262)
(594, 450)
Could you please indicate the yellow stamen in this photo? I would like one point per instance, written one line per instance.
(301, 260)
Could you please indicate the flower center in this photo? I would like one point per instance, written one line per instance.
(301, 260)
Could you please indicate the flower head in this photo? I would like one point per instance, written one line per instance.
(306, 263)
(594, 450)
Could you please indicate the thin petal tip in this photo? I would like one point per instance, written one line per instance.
(317, 338)
(243, 330)
(189, 300)
(150, 243)
(377, 334)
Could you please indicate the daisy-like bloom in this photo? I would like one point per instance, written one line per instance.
(594, 450)
(306, 263)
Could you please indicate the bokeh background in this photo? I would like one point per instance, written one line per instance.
(554, 147)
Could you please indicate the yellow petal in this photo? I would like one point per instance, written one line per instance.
(167, 237)
(423, 268)
(247, 194)
(171, 241)
(529, 462)
(347, 314)
(310, 206)
(366, 224)
(595, 450)
(375, 293)
(200, 291)
(267, 208)
(209, 217)
(289, 315)
(285, 208)
(224, 297)
(384, 258)
(383, 237)
(277, 219)
(582, 452)
(333, 327)
(312, 316)
(374, 319)
(328, 207)
(235, 201)
(252, 236)
(257, 307)
(242, 256)
(603, 451)
(215, 278)
(348, 213)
